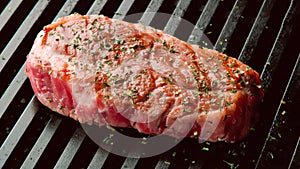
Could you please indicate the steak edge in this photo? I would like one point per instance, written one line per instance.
(101, 71)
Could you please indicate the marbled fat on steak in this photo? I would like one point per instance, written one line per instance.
(100, 71)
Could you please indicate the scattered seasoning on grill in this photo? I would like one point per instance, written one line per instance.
(279, 135)
(252, 129)
(174, 154)
(7, 130)
(110, 128)
(167, 162)
(208, 33)
(271, 138)
(232, 152)
(243, 145)
(23, 100)
(231, 165)
(283, 112)
(283, 102)
(144, 140)
(270, 154)
(108, 139)
(118, 13)
(205, 149)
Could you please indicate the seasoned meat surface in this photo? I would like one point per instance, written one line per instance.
(100, 71)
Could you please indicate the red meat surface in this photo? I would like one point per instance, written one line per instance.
(101, 71)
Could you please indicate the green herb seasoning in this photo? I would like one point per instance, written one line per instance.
(118, 13)
(231, 165)
(167, 162)
(172, 50)
(205, 149)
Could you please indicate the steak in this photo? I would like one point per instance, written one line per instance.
(106, 71)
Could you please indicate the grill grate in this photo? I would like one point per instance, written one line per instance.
(32, 136)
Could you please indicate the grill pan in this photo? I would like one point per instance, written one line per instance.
(261, 33)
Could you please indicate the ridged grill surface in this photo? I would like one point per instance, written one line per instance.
(261, 33)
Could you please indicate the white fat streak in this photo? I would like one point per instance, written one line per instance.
(211, 123)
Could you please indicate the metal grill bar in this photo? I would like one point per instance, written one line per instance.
(71, 149)
(123, 9)
(163, 163)
(174, 20)
(18, 130)
(203, 20)
(295, 162)
(224, 36)
(96, 7)
(77, 139)
(66, 9)
(8, 11)
(31, 108)
(41, 143)
(149, 14)
(22, 31)
(170, 28)
(256, 30)
(12, 90)
(98, 159)
(278, 47)
(101, 155)
(20, 78)
(130, 163)
(49, 132)
(290, 88)
(230, 25)
(197, 165)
